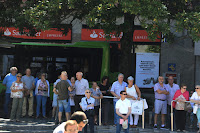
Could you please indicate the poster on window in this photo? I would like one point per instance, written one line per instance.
(147, 69)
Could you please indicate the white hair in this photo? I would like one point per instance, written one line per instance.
(13, 68)
(120, 74)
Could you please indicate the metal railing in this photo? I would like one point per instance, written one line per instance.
(172, 117)
(114, 98)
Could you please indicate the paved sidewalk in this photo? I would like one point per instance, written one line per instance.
(30, 125)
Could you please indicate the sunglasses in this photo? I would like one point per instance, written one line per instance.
(19, 76)
(124, 94)
(184, 88)
(88, 92)
(196, 88)
(85, 121)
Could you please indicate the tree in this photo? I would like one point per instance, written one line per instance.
(155, 16)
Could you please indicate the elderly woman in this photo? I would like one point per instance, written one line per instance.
(87, 105)
(96, 94)
(180, 97)
(196, 99)
(133, 94)
(42, 92)
(17, 89)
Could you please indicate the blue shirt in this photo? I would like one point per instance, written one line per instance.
(28, 81)
(84, 103)
(8, 80)
(117, 88)
(157, 95)
(97, 93)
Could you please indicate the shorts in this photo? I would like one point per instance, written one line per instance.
(160, 106)
(63, 104)
(96, 110)
(54, 103)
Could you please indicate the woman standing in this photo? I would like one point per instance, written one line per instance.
(196, 99)
(96, 94)
(17, 89)
(72, 94)
(133, 94)
(180, 97)
(42, 92)
(104, 87)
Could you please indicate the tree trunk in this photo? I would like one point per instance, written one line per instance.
(127, 58)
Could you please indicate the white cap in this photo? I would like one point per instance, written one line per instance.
(130, 78)
(125, 124)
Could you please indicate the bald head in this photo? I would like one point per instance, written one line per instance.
(79, 75)
(63, 75)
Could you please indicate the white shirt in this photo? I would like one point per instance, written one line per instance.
(172, 90)
(195, 97)
(81, 86)
(123, 106)
(85, 103)
(131, 92)
(60, 128)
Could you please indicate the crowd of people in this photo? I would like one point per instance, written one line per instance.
(73, 96)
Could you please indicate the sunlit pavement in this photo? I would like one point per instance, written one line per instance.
(30, 125)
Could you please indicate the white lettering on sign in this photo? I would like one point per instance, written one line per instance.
(103, 35)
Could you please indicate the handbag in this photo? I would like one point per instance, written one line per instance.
(187, 106)
(137, 107)
(90, 111)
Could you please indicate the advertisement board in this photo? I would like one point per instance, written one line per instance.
(147, 69)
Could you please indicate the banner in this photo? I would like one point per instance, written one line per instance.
(99, 35)
(52, 34)
(147, 69)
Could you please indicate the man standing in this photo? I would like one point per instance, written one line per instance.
(117, 87)
(61, 89)
(8, 80)
(81, 85)
(123, 110)
(29, 82)
(172, 87)
(161, 92)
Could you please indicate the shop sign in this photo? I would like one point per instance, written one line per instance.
(52, 34)
(99, 35)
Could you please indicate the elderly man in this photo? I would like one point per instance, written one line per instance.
(8, 80)
(29, 82)
(123, 110)
(161, 92)
(81, 85)
(61, 89)
(172, 87)
(79, 117)
(117, 87)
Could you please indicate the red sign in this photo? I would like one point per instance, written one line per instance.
(99, 35)
(52, 34)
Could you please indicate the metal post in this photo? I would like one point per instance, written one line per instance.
(172, 117)
(100, 114)
(143, 115)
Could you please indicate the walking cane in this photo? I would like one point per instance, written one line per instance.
(100, 114)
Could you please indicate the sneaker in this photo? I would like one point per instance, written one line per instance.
(12, 120)
(163, 127)
(155, 127)
(178, 130)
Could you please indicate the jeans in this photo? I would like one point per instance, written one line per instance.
(91, 123)
(115, 114)
(63, 104)
(43, 100)
(7, 102)
(119, 126)
(16, 108)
